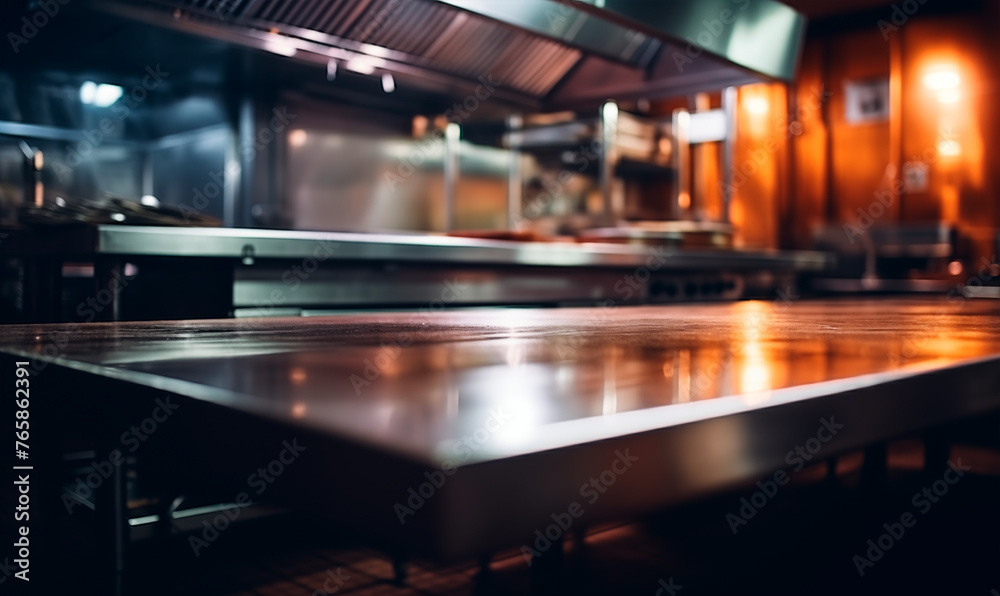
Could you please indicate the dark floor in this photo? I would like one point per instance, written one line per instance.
(802, 542)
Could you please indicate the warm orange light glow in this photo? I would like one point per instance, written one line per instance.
(955, 268)
(420, 124)
(668, 369)
(942, 79)
(684, 200)
(949, 96)
(950, 200)
(949, 148)
(757, 105)
(684, 376)
(666, 147)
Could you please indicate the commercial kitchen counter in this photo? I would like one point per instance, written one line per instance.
(241, 271)
(523, 410)
(239, 243)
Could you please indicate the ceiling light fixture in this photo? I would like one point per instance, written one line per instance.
(388, 83)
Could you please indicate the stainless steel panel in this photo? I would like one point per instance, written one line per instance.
(189, 171)
(365, 183)
(261, 292)
(481, 191)
(75, 168)
(566, 23)
(764, 36)
(539, 51)
(279, 244)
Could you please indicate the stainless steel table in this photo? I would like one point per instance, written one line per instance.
(657, 405)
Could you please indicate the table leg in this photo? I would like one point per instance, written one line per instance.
(109, 276)
(937, 450)
(399, 568)
(831, 472)
(42, 298)
(875, 467)
(112, 515)
(547, 569)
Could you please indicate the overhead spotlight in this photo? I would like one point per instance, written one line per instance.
(388, 83)
(331, 70)
(279, 44)
(88, 92)
(102, 95)
(362, 64)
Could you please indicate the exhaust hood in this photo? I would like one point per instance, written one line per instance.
(547, 54)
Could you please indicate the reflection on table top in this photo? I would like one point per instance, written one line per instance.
(527, 380)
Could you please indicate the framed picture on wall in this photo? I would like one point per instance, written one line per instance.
(867, 100)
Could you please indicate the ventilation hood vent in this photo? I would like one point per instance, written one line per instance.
(546, 54)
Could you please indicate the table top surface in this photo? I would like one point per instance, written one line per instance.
(521, 380)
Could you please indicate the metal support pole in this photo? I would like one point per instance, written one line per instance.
(614, 207)
(452, 147)
(109, 277)
(514, 198)
(682, 163)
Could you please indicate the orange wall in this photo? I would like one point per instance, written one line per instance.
(838, 167)
(808, 204)
(760, 177)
